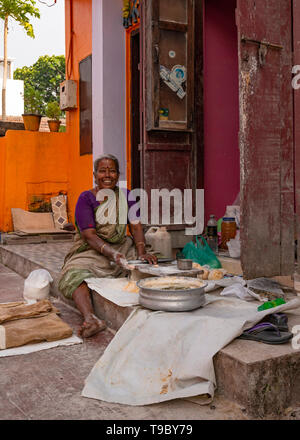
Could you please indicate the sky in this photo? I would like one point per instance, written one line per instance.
(49, 35)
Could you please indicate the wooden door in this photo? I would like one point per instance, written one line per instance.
(296, 62)
(266, 137)
(168, 120)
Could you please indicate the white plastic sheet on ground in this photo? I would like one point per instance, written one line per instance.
(159, 356)
(31, 348)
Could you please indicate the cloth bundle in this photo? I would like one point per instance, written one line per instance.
(22, 324)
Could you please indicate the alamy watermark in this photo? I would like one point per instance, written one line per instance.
(296, 338)
(163, 207)
(296, 79)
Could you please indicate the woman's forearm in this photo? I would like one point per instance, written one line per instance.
(139, 238)
(99, 245)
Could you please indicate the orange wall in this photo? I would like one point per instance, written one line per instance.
(50, 160)
(30, 158)
(79, 14)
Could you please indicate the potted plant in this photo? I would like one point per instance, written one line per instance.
(32, 109)
(53, 112)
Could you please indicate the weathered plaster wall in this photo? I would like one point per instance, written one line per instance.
(221, 107)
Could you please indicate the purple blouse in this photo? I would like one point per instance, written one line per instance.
(85, 210)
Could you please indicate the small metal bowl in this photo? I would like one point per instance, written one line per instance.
(183, 264)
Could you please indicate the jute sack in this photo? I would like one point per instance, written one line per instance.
(38, 329)
(25, 311)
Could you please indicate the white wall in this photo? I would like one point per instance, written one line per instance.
(108, 72)
(14, 97)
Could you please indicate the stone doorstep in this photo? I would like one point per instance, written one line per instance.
(8, 239)
(267, 379)
(262, 378)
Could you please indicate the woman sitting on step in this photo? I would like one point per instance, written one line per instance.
(101, 247)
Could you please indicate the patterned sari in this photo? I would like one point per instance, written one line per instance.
(83, 262)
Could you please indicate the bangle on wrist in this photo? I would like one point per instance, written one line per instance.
(101, 249)
(139, 243)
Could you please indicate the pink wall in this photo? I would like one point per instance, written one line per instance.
(221, 107)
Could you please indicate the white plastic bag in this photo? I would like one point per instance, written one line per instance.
(241, 292)
(234, 246)
(37, 285)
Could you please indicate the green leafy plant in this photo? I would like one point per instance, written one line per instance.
(53, 110)
(33, 103)
(45, 75)
(21, 12)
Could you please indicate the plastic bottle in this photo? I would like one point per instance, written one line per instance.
(212, 234)
(228, 231)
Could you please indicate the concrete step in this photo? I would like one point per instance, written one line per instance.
(263, 378)
(22, 238)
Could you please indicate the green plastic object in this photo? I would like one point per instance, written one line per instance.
(201, 253)
(220, 224)
(270, 304)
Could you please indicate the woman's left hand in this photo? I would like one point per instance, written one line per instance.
(148, 257)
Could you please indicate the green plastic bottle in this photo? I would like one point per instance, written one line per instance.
(270, 304)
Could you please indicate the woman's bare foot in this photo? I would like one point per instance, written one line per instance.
(91, 326)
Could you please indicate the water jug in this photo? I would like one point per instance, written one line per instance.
(150, 235)
(163, 242)
(160, 240)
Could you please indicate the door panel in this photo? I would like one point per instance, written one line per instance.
(167, 146)
(296, 28)
(266, 143)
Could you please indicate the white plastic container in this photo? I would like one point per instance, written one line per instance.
(150, 236)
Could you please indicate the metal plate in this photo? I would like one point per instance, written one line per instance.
(159, 260)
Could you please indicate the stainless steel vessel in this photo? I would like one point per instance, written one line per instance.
(183, 264)
(171, 294)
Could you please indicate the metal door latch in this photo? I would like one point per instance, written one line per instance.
(263, 48)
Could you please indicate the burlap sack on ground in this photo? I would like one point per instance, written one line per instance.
(11, 304)
(25, 311)
(24, 331)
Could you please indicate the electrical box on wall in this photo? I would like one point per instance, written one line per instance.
(68, 95)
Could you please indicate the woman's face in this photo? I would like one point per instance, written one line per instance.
(107, 175)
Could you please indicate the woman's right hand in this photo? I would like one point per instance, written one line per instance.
(120, 260)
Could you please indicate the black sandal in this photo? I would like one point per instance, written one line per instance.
(267, 333)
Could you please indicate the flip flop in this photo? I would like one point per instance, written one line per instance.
(278, 319)
(267, 333)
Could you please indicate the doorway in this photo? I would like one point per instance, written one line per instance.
(135, 109)
(221, 106)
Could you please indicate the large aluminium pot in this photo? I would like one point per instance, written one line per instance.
(171, 294)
